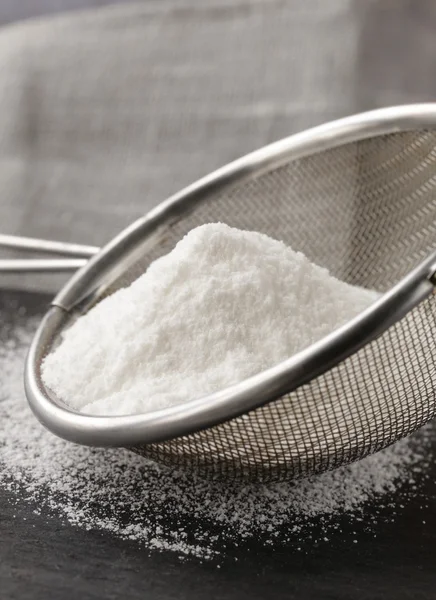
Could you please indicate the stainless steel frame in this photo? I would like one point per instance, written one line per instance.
(91, 281)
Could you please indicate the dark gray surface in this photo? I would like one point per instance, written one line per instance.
(40, 557)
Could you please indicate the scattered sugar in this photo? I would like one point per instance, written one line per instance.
(117, 492)
(225, 304)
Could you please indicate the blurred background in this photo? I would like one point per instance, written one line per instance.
(109, 107)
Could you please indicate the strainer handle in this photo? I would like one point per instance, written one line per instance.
(36, 265)
(78, 255)
(23, 243)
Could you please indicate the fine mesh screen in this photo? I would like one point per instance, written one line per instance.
(366, 211)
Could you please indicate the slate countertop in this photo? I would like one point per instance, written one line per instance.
(43, 557)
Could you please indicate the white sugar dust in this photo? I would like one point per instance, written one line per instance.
(123, 495)
(225, 304)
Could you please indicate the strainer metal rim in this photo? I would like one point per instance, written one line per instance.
(87, 284)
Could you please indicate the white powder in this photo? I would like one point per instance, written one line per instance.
(223, 305)
(127, 496)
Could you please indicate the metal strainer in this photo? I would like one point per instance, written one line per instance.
(357, 196)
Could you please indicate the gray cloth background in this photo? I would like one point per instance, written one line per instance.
(105, 113)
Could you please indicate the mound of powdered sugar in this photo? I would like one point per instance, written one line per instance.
(118, 492)
(223, 305)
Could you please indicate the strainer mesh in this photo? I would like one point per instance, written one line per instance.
(366, 211)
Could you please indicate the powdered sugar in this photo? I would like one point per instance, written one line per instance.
(223, 305)
(130, 497)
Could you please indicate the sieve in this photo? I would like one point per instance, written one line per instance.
(357, 196)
